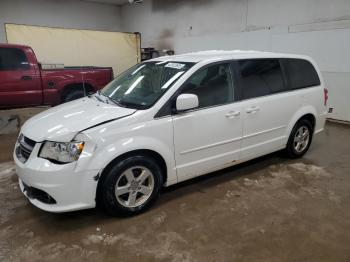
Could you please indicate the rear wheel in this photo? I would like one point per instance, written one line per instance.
(300, 139)
(130, 186)
(73, 95)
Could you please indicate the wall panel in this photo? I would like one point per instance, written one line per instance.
(73, 47)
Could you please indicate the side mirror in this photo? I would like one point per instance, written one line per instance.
(186, 102)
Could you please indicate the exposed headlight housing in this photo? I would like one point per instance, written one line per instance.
(61, 152)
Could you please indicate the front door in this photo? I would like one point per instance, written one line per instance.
(20, 83)
(209, 137)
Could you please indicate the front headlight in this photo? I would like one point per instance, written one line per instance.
(61, 152)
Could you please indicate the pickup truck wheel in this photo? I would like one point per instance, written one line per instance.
(300, 139)
(130, 186)
(72, 95)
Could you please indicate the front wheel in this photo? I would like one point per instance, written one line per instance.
(130, 186)
(300, 139)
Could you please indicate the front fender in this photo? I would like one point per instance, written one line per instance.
(129, 134)
(106, 155)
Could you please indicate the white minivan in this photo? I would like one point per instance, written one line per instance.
(165, 121)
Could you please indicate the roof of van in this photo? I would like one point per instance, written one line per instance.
(225, 55)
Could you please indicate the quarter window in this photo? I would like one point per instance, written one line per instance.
(301, 73)
(260, 77)
(213, 85)
(13, 59)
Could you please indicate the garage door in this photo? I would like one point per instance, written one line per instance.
(75, 47)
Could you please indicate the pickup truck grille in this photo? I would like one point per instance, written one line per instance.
(24, 148)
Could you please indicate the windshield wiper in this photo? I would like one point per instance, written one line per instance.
(131, 105)
(97, 95)
(105, 100)
(116, 102)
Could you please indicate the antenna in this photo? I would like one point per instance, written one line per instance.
(82, 77)
(82, 69)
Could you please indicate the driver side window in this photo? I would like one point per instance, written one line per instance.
(212, 84)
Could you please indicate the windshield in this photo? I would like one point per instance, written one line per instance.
(142, 85)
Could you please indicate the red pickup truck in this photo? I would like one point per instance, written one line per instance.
(24, 82)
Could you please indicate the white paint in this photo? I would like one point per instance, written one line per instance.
(191, 143)
(318, 28)
(186, 102)
(66, 14)
(70, 118)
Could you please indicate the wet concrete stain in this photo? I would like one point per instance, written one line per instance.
(166, 39)
(269, 209)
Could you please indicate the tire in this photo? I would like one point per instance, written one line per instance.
(300, 139)
(73, 95)
(135, 194)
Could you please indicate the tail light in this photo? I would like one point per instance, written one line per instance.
(325, 90)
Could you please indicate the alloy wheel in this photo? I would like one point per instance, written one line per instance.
(134, 186)
(301, 139)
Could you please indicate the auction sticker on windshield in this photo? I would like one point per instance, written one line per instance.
(175, 65)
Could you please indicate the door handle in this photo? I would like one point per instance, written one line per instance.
(26, 78)
(232, 114)
(252, 110)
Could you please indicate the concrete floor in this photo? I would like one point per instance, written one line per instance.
(269, 209)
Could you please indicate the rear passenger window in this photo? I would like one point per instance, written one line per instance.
(301, 73)
(260, 77)
(13, 59)
(212, 85)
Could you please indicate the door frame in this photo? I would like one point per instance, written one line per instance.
(168, 109)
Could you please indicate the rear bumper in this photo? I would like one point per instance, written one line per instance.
(70, 188)
(320, 122)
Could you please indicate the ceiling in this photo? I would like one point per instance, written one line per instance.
(113, 2)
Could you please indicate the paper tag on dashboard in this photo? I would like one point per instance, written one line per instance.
(175, 65)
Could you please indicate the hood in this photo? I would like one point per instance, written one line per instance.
(63, 122)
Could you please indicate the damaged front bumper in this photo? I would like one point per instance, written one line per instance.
(57, 188)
